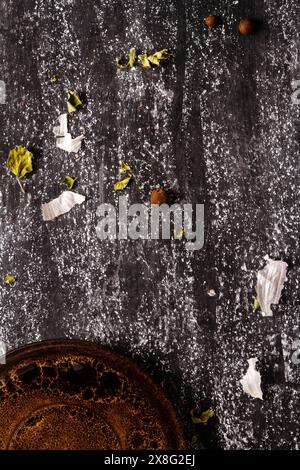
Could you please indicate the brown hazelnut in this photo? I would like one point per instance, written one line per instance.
(211, 21)
(159, 196)
(246, 26)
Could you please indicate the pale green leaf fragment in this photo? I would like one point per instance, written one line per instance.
(256, 304)
(73, 101)
(9, 279)
(122, 183)
(54, 79)
(204, 417)
(194, 440)
(20, 163)
(69, 182)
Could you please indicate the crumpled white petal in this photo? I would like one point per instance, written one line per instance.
(64, 139)
(68, 144)
(270, 281)
(62, 129)
(252, 379)
(61, 205)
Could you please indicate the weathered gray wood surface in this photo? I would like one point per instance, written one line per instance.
(218, 126)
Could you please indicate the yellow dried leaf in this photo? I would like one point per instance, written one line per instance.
(132, 57)
(256, 304)
(158, 56)
(122, 183)
(54, 79)
(144, 61)
(9, 279)
(204, 417)
(124, 168)
(131, 60)
(20, 163)
(73, 101)
(69, 182)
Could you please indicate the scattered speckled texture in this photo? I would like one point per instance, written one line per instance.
(218, 127)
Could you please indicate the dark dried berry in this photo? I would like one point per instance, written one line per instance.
(159, 196)
(246, 26)
(211, 21)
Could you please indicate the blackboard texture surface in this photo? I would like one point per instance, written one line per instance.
(220, 126)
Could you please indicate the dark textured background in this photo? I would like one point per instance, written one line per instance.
(218, 127)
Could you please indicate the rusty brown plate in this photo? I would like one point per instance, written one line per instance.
(69, 394)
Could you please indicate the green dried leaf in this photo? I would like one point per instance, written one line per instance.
(54, 79)
(69, 182)
(204, 417)
(20, 163)
(194, 440)
(122, 183)
(9, 279)
(73, 101)
(256, 304)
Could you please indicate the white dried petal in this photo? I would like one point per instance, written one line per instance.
(64, 139)
(252, 379)
(68, 144)
(61, 205)
(62, 129)
(270, 281)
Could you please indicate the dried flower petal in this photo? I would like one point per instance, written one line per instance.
(64, 139)
(68, 144)
(252, 379)
(61, 205)
(270, 281)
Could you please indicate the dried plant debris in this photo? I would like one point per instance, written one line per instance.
(20, 163)
(251, 380)
(256, 304)
(145, 60)
(74, 103)
(69, 182)
(131, 60)
(61, 205)
(203, 418)
(64, 139)
(54, 79)
(9, 279)
(270, 281)
(123, 182)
